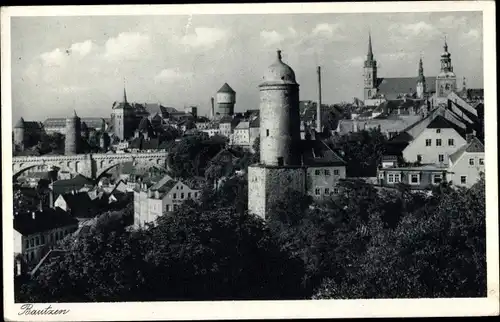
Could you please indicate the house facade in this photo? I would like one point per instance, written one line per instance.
(164, 196)
(467, 164)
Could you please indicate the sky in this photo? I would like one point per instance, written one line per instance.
(61, 64)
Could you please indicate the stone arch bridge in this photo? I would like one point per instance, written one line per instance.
(88, 165)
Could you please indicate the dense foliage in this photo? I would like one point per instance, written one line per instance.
(190, 155)
(362, 151)
(365, 244)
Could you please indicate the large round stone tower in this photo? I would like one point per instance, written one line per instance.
(19, 133)
(226, 98)
(280, 169)
(279, 116)
(73, 131)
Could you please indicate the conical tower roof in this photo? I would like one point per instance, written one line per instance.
(226, 89)
(19, 124)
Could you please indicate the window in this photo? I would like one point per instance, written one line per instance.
(317, 191)
(471, 161)
(336, 190)
(182, 195)
(189, 194)
(463, 179)
(336, 172)
(280, 161)
(438, 130)
(451, 142)
(175, 195)
(27, 244)
(397, 178)
(32, 242)
(42, 239)
(168, 207)
(390, 178)
(441, 157)
(327, 172)
(381, 175)
(481, 161)
(438, 142)
(267, 132)
(195, 194)
(414, 179)
(437, 178)
(428, 142)
(327, 191)
(419, 158)
(317, 172)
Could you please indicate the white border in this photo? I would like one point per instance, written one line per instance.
(264, 309)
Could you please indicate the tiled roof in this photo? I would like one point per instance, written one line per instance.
(317, 153)
(392, 87)
(75, 183)
(473, 146)
(255, 122)
(45, 220)
(242, 125)
(226, 89)
(156, 108)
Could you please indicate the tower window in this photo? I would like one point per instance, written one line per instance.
(267, 132)
(280, 161)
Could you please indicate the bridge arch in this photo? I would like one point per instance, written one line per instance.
(156, 163)
(50, 167)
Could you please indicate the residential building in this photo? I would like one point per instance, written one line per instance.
(37, 232)
(467, 163)
(152, 200)
(417, 177)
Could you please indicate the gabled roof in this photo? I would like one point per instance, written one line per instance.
(317, 153)
(226, 89)
(242, 125)
(391, 87)
(156, 108)
(473, 146)
(45, 220)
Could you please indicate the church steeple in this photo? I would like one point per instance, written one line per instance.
(421, 71)
(370, 72)
(369, 56)
(124, 94)
(446, 59)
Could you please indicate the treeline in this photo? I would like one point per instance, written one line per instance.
(365, 244)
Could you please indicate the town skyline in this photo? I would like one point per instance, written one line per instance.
(170, 60)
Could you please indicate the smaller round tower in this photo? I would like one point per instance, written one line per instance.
(226, 98)
(84, 131)
(73, 131)
(104, 141)
(19, 133)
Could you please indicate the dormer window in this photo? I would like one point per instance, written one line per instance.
(438, 130)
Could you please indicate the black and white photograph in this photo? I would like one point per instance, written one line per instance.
(186, 156)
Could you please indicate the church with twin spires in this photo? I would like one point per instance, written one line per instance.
(378, 89)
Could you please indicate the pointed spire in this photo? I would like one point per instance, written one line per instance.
(124, 92)
(370, 50)
(74, 111)
(279, 54)
(445, 45)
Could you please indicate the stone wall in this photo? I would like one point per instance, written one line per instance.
(267, 185)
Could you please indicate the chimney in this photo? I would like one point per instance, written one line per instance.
(213, 107)
(319, 127)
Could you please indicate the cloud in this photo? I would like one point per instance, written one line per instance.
(204, 37)
(70, 89)
(351, 62)
(472, 34)
(421, 29)
(171, 74)
(452, 22)
(328, 30)
(272, 37)
(401, 55)
(55, 58)
(82, 48)
(127, 45)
